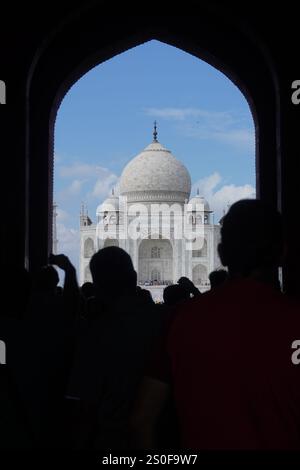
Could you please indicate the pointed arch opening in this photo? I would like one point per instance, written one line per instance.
(95, 49)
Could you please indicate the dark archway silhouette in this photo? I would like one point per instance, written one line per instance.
(81, 44)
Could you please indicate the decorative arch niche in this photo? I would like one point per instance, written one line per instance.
(89, 249)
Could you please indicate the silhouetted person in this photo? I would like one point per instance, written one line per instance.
(87, 290)
(46, 280)
(113, 273)
(112, 353)
(189, 286)
(175, 294)
(70, 293)
(46, 347)
(228, 355)
(145, 294)
(217, 277)
(87, 301)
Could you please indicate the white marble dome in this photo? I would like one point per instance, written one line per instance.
(198, 201)
(155, 175)
(111, 204)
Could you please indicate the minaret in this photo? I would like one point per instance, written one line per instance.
(54, 229)
(82, 215)
(85, 221)
(155, 133)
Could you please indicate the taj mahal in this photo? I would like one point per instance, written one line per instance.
(152, 217)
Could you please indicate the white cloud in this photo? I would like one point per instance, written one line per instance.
(101, 179)
(180, 114)
(104, 185)
(218, 197)
(72, 190)
(222, 126)
(75, 187)
(229, 194)
(61, 215)
(80, 170)
(240, 138)
(207, 185)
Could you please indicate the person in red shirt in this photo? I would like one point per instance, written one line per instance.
(227, 357)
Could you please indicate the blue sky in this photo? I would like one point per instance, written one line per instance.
(107, 117)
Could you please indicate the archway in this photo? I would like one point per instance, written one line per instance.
(68, 55)
(200, 253)
(155, 261)
(200, 277)
(117, 79)
(156, 275)
(88, 248)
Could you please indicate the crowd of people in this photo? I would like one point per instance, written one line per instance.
(155, 282)
(104, 367)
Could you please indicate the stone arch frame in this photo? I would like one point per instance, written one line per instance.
(76, 46)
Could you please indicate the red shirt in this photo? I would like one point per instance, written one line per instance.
(230, 361)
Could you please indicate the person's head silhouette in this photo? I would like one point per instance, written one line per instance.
(251, 239)
(113, 273)
(87, 290)
(47, 279)
(175, 294)
(217, 277)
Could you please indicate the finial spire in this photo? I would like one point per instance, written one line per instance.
(113, 191)
(197, 191)
(155, 132)
(82, 208)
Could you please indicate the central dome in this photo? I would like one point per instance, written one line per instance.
(155, 175)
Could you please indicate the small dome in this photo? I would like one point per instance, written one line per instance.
(111, 204)
(197, 203)
(154, 175)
